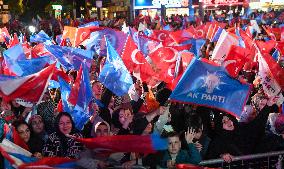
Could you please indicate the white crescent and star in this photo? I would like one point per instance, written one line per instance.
(133, 57)
(170, 73)
(198, 33)
(160, 38)
(173, 59)
(81, 36)
(228, 62)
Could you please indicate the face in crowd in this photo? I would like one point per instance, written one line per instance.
(37, 125)
(228, 124)
(65, 125)
(102, 130)
(97, 90)
(174, 145)
(123, 115)
(24, 132)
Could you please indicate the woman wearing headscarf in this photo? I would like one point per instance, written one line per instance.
(60, 143)
(238, 138)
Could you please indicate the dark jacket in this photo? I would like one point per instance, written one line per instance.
(62, 147)
(243, 139)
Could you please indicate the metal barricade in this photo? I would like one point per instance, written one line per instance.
(270, 160)
(134, 167)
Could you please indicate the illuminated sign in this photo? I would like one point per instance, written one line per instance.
(219, 2)
(57, 7)
(139, 4)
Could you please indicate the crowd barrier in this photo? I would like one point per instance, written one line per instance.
(270, 160)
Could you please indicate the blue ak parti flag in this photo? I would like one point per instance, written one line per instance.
(71, 58)
(41, 37)
(81, 113)
(65, 90)
(31, 66)
(209, 85)
(12, 55)
(114, 74)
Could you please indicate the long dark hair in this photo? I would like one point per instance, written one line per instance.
(56, 123)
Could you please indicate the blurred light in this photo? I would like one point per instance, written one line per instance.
(32, 29)
(204, 6)
(216, 6)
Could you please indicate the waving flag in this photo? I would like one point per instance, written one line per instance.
(114, 74)
(80, 96)
(196, 46)
(127, 143)
(39, 50)
(29, 88)
(65, 90)
(271, 77)
(4, 35)
(217, 34)
(11, 56)
(209, 85)
(96, 42)
(84, 33)
(135, 61)
(235, 60)
(70, 33)
(24, 161)
(223, 45)
(41, 37)
(266, 47)
(71, 58)
(14, 41)
(30, 66)
(201, 31)
(50, 163)
(146, 45)
(181, 36)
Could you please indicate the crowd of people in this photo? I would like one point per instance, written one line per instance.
(194, 132)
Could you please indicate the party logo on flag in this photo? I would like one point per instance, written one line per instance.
(209, 85)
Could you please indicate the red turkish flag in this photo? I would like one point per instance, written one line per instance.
(235, 60)
(185, 60)
(265, 47)
(39, 50)
(84, 33)
(162, 36)
(181, 36)
(246, 38)
(29, 88)
(135, 61)
(14, 41)
(275, 69)
(201, 31)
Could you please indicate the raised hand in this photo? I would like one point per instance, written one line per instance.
(189, 135)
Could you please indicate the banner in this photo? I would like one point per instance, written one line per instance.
(209, 85)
